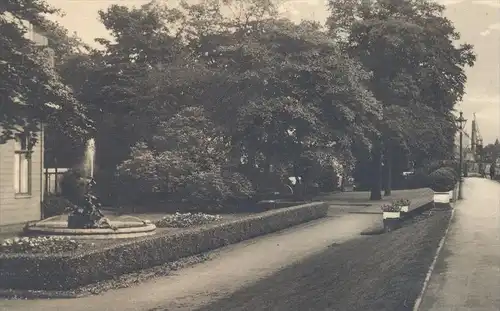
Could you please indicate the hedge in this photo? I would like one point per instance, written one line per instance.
(68, 271)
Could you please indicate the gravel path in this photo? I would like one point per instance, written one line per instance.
(376, 273)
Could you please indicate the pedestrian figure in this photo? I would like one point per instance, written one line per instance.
(492, 171)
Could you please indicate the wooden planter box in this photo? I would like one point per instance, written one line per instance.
(442, 197)
(392, 221)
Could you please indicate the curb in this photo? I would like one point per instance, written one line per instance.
(418, 301)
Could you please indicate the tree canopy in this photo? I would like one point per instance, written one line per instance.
(31, 91)
(225, 97)
(417, 70)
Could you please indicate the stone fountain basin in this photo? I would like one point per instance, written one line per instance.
(124, 229)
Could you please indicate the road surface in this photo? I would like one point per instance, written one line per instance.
(467, 273)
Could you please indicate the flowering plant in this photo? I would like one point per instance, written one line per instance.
(402, 202)
(179, 220)
(38, 245)
(390, 208)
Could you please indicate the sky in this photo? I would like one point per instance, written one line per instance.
(478, 21)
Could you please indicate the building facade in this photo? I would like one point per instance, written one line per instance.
(21, 170)
(21, 181)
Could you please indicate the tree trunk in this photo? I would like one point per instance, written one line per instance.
(388, 171)
(343, 180)
(376, 168)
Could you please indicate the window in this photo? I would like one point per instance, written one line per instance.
(22, 165)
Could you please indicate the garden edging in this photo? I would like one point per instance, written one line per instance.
(66, 271)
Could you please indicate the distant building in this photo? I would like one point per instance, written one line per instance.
(467, 153)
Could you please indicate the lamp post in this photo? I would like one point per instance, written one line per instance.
(461, 124)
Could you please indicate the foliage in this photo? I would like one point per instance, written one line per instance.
(426, 77)
(401, 202)
(491, 152)
(179, 220)
(87, 213)
(47, 245)
(54, 205)
(195, 105)
(442, 180)
(75, 269)
(419, 179)
(187, 160)
(32, 92)
(265, 68)
(390, 208)
(73, 186)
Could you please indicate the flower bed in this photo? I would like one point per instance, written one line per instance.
(390, 208)
(186, 220)
(39, 245)
(70, 270)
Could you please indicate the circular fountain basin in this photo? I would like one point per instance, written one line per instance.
(123, 229)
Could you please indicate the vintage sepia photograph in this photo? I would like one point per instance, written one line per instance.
(249, 155)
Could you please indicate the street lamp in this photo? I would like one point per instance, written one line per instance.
(461, 124)
(479, 157)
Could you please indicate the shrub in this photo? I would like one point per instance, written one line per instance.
(179, 220)
(442, 180)
(54, 205)
(70, 270)
(206, 187)
(73, 186)
(38, 245)
(452, 171)
(435, 165)
(208, 191)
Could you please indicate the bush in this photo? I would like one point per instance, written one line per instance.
(54, 205)
(435, 165)
(70, 270)
(207, 191)
(452, 171)
(442, 180)
(206, 187)
(179, 220)
(73, 186)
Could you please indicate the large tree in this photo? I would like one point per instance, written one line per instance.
(283, 97)
(418, 72)
(31, 91)
(281, 103)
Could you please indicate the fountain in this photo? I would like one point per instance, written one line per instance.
(89, 158)
(86, 220)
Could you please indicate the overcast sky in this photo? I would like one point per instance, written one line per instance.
(477, 20)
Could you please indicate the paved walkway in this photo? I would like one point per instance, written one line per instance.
(467, 273)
